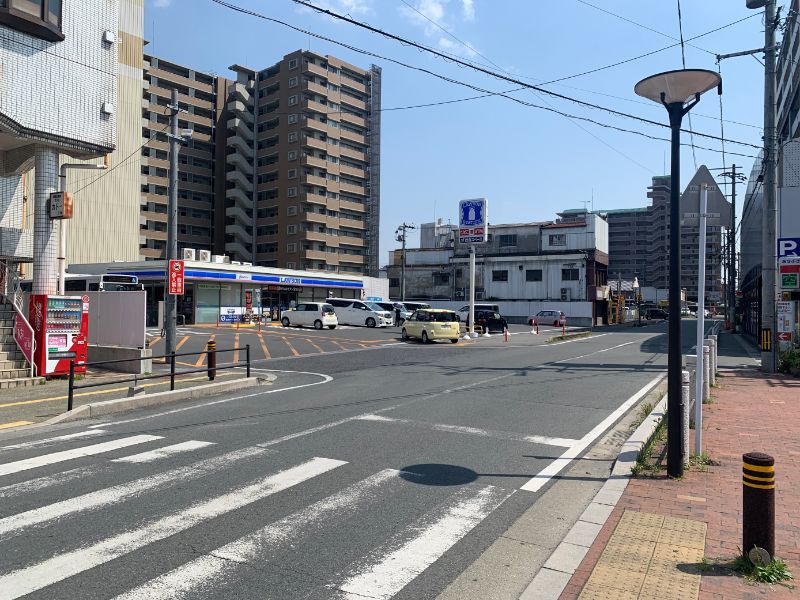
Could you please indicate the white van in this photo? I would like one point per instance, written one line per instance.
(356, 312)
(463, 312)
(310, 314)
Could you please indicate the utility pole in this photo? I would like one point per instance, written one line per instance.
(732, 285)
(768, 362)
(400, 234)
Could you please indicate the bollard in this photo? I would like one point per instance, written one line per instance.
(505, 334)
(706, 382)
(710, 345)
(714, 358)
(758, 502)
(691, 366)
(71, 385)
(212, 360)
(685, 405)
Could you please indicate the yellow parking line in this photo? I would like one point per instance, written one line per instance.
(14, 424)
(154, 340)
(181, 343)
(236, 345)
(288, 343)
(318, 349)
(106, 391)
(264, 347)
(340, 345)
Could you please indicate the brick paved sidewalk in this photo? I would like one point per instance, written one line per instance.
(750, 412)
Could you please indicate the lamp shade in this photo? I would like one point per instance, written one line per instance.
(677, 86)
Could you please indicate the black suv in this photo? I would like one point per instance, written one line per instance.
(656, 313)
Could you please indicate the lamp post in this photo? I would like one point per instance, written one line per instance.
(638, 301)
(679, 91)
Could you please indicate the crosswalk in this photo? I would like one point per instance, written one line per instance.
(111, 507)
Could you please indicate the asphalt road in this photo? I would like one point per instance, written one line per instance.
(365, 473)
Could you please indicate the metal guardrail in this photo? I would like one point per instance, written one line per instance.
(11, 288)
(211, 369)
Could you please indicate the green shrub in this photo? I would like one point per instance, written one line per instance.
(789, 362)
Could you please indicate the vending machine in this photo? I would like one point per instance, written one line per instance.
(61, 329)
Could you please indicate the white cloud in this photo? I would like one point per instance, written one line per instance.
(345, 7)
(162, 3)
(451, 46)
(468, 9)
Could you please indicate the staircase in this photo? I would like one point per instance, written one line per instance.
(15, 371)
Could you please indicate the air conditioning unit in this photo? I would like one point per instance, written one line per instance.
(204, 256)
(565, 294)
(189, 254)
(218, 258)
(236, 262)
(247, 264)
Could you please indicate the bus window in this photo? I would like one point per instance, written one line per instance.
(94, 286)
(75, 285)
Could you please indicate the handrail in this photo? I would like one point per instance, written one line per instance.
(11, 288)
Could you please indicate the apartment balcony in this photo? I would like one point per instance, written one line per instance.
(314, 199)
(315, 106)
(243, 164)
(353, 119)
(241, 127)
(345, 170)
(314, 143)
(328, 257)
(240, 198)
(240, 233)
(356, 154)
(353, 85)
(314, 125)
(352, 258)
(355, 223)
(314, 87)
(236, 249)
(314, 180)
(242, 145)
(354, 102)
(353, 137)
(351, 241)
(313, 161)
(353, 189)
(314, 69)
(315, 217)
(240, 180)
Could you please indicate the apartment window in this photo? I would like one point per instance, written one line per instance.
(441, 278)
(570, 274)
(291, 192)
(557, 239)
(291, 248)
(508, 240)
(292, 173)
(533, 275)
(291, 211)
(293, 63)
(292, 136)
(292, 81)
(292, 119)
(292, 155)
(291, 229)
(292, 100)
(39, 18)
(501, 275)
(291, 265)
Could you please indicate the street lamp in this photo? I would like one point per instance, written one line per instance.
(679, 91)
(638, 301)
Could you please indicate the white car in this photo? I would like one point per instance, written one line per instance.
(356, 312)
(310, 314)
(463, 312)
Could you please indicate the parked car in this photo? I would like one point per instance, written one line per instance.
(656, 313)
(490, 321)
(463, 312)
(393, 306)
(547, 317)
(412, 306)
(310, 314)
(356, 312)
(431, 324)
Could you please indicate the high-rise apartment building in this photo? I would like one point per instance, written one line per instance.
(201, 98)
(283, 169)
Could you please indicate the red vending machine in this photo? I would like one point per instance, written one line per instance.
(61, 329)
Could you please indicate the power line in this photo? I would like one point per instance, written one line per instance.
(16, 40)
(460, 62)
(683, 62)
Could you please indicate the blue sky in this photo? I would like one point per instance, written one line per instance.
(529, 163)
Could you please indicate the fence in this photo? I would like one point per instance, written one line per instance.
(211, 369)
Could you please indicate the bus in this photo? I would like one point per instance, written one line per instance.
(95, 283)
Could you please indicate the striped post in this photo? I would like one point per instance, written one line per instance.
(758, 502)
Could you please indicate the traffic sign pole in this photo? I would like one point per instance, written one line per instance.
(472, 291)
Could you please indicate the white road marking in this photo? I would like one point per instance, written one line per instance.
(183, 582)
(122, 492)
(30, 579)
(60, 438)
(504, 435)
(583, 339)
(64, 455)
(554, 468)
(558, 362)
(325, 379)
(396, 563)
(164, 452)
(40, 483)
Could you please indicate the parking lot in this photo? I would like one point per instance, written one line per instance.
(273, 341)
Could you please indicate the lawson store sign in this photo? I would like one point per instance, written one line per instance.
(193, 274)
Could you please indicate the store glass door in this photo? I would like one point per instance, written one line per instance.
(273, 302)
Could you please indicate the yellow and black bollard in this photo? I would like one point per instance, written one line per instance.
(212, 360)
(758, 502)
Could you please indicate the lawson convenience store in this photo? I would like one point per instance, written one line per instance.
(222, 292)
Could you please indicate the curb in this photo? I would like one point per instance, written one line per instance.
(108, 407)
(569, 336)
(557, 571)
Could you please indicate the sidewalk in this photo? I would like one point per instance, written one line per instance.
(676, 538)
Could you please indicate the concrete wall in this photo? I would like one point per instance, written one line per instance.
(579, 314)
